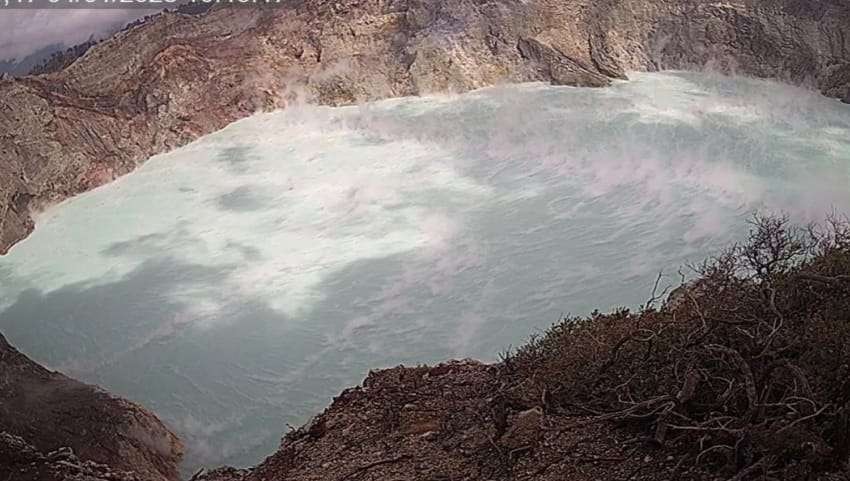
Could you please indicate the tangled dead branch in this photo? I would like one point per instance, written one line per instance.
(749, 376)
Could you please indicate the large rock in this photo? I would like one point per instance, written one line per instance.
(43, 412)
(176, 77)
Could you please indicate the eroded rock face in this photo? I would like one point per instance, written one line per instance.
(56, 422)
(170, 80)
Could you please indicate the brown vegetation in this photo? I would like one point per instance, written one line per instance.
(744, 372)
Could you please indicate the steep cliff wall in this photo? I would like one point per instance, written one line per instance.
(170, 80)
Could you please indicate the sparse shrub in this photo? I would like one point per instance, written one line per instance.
(60, 60)
(745, 373)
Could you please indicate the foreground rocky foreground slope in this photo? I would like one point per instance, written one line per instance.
(55, 428)
(176, 77)
(742, 374)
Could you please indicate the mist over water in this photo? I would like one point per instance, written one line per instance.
(235, 285)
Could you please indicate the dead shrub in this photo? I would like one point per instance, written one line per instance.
(747, 373)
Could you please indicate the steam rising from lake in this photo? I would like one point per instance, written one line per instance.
(236, 284)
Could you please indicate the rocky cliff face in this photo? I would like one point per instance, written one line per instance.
(174, 78)
(55, 428)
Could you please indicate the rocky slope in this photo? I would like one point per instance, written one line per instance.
(740, 375)
(447, 423)
(450, 423)
(176, 77)
(53, 427)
